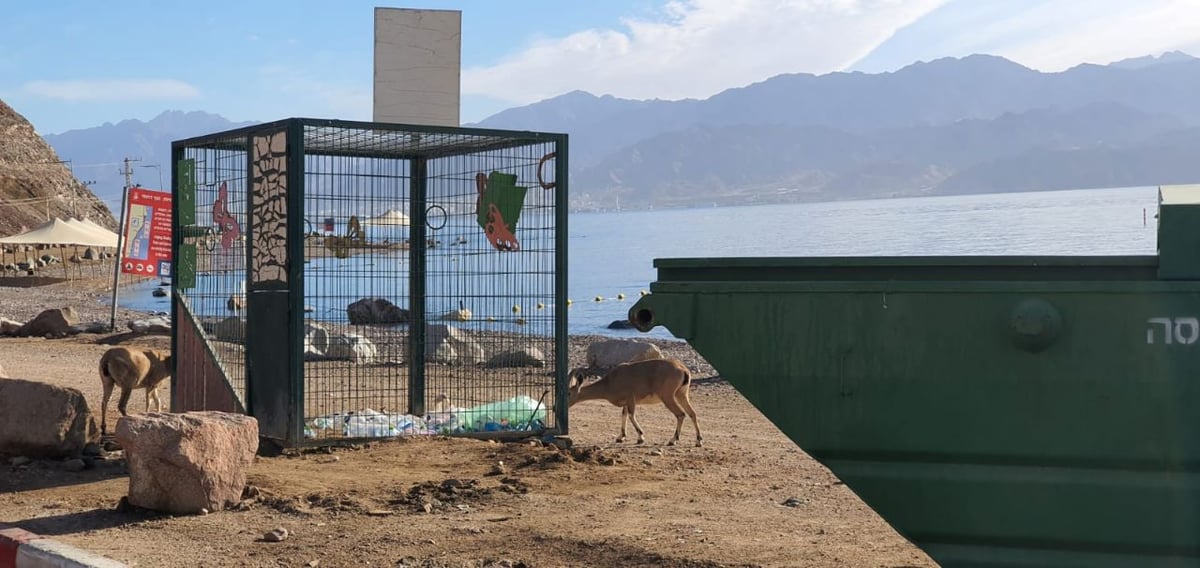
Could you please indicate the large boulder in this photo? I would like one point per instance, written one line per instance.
(90, 327)
(316, 340)
(351, 347)
(50, 323)
(448, 345)
(526, 357)
(156, 324)
(620, 324)
(182, 463)
(375, 310)
(232, 329)
(613, 352)
(41, 420)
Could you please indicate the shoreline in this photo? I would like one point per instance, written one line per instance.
(90, 300)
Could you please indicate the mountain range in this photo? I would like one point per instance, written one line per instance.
(97, 153)
(949, 126)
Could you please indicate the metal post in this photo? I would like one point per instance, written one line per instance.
(112, 320)
(416, 286)
(561, 292)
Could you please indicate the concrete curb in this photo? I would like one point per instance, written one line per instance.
(20, 548)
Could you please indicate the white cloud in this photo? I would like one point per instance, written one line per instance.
(698, 48)
(115, 90)
(1102, 31)
(1048, 35)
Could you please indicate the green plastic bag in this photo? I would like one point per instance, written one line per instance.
(511, 414)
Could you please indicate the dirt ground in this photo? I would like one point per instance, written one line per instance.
(749, 497)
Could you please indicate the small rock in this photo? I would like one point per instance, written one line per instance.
(74, 465)
(203, 511)
(428, 507)
(792, 502)
(647, 462)
(379, 513)
(112, 446)
(19, 461)
(313, 563)
(656, 452)
(278, 535)
(498, 469)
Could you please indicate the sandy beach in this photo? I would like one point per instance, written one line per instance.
(749, 497)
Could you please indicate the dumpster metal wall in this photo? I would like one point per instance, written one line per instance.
(1011, 411)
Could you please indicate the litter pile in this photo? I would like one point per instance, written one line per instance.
(517, 414)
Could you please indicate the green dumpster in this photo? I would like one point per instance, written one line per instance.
(997, 411)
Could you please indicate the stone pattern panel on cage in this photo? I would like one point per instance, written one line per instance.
(268, 198)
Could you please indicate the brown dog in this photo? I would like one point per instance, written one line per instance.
(132, 369)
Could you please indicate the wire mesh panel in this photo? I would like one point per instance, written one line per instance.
(470, 231)
(424, 275)
(489, 286)
(355, 292)
(210, 273)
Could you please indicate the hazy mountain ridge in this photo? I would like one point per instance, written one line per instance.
(973, 124)
(96, 153)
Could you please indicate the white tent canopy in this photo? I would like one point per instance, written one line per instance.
(389, 217)
(94, 228)
(64, 233)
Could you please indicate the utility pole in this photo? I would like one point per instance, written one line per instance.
(128, 171)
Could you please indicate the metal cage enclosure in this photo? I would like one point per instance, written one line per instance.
(344, 280)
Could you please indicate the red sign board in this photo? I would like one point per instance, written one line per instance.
(147, 249)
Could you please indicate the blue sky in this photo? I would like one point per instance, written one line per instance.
(75, 64)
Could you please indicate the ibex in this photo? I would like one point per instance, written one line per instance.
(642, 382)
(132, 369)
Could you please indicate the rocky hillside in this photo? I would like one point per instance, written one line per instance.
(34, 184)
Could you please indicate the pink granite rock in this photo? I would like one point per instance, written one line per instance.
(42, 420)
(182, 463)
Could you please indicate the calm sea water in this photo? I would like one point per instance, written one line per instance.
(613, 253)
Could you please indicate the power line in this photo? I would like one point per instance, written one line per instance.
(60, 162)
